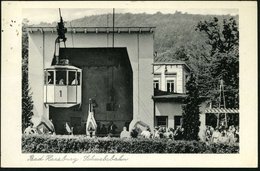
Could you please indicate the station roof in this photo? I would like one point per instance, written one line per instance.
(63, 67)
(32, 29)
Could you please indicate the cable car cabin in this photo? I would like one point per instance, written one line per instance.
(62, 86)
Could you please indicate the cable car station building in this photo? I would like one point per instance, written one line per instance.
(117, 74)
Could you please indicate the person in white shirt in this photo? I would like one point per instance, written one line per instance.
(68, 129)
(230, 135)
(215, 136)
(146, 133)
(74, 82)
(30, 130)
(50, 81)
(168, 133)
(61, 82)
(125, 133)
(156, 133)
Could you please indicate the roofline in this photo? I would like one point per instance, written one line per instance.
(168, 63)
(62, 66)
(174, 95)
(89, 27)
(32, 29)
(173, 63)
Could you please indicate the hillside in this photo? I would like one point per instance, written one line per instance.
(173, 31)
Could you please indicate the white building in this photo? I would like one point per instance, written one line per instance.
(116, 73)
(170, 77)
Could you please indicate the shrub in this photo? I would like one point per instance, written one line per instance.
(82, 144)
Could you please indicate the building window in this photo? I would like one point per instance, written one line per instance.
(177, 121)
(211, 119)
(170, 85)
(162, 121)
(156, 84)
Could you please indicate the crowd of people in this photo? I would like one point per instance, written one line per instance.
(217, 135)
(158, 133)
(222, 134)
(103, 130)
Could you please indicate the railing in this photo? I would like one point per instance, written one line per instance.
(95, 29)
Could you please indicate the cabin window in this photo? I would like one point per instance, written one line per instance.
(78, 78)
(170, 85)
(72, 78)
(49, 77)
(156, 84)
(61, 78)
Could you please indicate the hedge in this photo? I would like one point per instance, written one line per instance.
(82, 144)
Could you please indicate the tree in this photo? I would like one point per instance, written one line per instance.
(191, 118)
(221, 40)
(224, 61)
(181, 54)
(27, 103)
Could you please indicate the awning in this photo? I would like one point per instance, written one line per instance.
(221, 110)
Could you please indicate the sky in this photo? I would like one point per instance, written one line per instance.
(49, 15)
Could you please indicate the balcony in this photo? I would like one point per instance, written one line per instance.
(160, 95)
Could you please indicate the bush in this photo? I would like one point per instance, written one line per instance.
(82, 144)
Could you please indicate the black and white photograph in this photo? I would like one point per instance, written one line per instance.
(107, 82)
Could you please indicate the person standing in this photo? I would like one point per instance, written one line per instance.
(61, 82)
(208, 134)
(134, 133)
(146, 133)
(237, 134)
(230, 136)
(112, 128)
(103, 130)
(215, 136)
(125, 133)
(156, 133)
